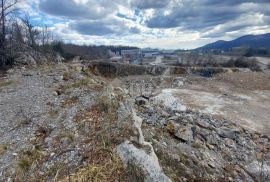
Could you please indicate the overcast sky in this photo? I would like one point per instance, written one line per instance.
(168, 24)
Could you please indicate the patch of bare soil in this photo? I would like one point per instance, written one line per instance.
(243, 97)
(236, 81)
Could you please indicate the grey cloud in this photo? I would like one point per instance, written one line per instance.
(223, 31)
(193, 17)
(101, 17)
(91, 28)
(148, 4)
(244, 24)
(103, 27)
(230, 2)
(204, 14)
(134, 30)
(72, 10)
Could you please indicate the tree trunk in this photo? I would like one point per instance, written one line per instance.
(2, 61)
(33, 42)
(3, 23)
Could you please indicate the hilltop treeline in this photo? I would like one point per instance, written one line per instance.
(88, 52)
(240, 51)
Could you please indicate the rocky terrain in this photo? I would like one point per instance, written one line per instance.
(72, 122)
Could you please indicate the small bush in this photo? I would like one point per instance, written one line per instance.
(68, 135)
(243, 63)
(27, 159)
(24, 164)
(67, 76)
(171, 128)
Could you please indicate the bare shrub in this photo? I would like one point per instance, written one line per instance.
(243, 62)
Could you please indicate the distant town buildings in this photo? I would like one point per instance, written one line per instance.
(135, 56)
(148, 53)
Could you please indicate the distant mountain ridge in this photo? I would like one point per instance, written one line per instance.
(252, 41)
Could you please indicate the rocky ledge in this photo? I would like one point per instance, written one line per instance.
(191, 145)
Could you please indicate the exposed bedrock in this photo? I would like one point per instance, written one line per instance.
(136, 150)
(109, 69)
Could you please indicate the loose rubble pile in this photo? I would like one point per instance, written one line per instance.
(30, 57)
(137, 151)
(193, 146)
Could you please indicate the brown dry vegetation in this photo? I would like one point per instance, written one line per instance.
(28, 160)
(105, 166)
(102, 133)
(69, 102)
(5, 83)
(3, 148)
(236, 81)
(67, 76)
(99, 134)
(78, 84)
(246, 80)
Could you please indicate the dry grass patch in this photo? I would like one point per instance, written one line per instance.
(3, 148)
(97, 87)
(172, 167)
(102, 132)
(67, 75)
(104, 166)
(54, 113)
(68, 135)
(47, 68)
(78, 84)
(98, 124)
(6, 83)
(134, 173)
(70, 102)
(197, 144)
(243, 80)
(28, 162)
(171, 128)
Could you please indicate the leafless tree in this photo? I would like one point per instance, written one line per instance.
(15, 35)
(7, 8)
(32, 32)
(46, 36)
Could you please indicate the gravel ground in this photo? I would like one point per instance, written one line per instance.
(31, 107)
